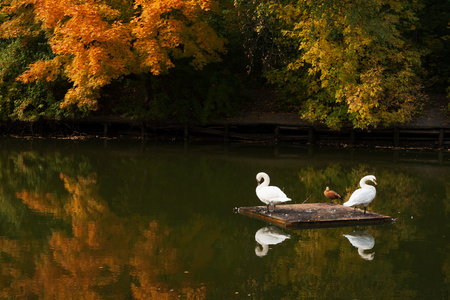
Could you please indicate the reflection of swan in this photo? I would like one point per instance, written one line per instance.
(331, 194)
(363, 195)
(266, 236)
(270, 195)
(363, 241)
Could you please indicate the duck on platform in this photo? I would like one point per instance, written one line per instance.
(364, 195)
(330, 194)
(270, 195)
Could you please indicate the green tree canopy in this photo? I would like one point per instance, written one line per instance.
(354, 61)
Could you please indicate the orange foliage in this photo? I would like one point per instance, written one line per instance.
(159, 37)
(151, 261)
(83, 204)
(21, 286)
(94, 255)
(44, 70)
(41, 202)
(95, 42)
(89, 258)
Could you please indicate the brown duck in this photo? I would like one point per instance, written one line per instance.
(331, 194)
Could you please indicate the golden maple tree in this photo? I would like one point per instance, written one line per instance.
(95, 41)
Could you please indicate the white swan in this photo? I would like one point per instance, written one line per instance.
(270, 195)
(363, 241)
(363, 195)
(266, 236)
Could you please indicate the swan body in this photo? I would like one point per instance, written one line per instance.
(266, 236)
(363, 195)
(270, 195)
(363, 241)
(330, 194)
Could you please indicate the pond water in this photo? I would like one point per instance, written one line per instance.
(130, 220)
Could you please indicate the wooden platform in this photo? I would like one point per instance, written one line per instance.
(313, 215)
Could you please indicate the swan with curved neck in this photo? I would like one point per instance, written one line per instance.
(266, 236)
(364, 195)
(270, 195)
(363, 241)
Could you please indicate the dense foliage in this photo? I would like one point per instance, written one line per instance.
(353, 62)
(365, 63)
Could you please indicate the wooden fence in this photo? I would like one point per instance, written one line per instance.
(267, 133)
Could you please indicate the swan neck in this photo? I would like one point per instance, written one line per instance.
(266, 180)
(261, 250)
(364, 255)
(362, 182)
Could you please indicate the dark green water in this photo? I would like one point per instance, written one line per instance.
(131, 220)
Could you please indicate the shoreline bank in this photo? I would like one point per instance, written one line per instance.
(278, 129)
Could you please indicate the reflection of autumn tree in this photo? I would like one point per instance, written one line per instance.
(41, 202)
(98, 243)
(323, 268)
(148, 268)
(95, 255)
(14, 277)
(90, 257)
(87, 251)
(197, 240)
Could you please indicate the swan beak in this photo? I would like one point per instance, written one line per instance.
(374, 181)
(258, 182)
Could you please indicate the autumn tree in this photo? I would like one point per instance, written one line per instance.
(95, 42)
(353, 63)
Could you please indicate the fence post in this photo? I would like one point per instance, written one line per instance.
(105, 129)
(225, 135)
(441, 137)
(277, 132)
(310, 135)
(396, 137)
(352, 137)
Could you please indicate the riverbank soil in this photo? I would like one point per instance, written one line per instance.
(263, 109)
(436, 113)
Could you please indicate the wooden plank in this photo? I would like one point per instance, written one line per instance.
(314, 215)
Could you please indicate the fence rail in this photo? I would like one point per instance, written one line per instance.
(273, 133)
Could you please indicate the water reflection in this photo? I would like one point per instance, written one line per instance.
(156, 223)
(95, 253)
(363, 241)
(269, 235)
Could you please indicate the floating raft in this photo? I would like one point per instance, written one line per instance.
(313, 215)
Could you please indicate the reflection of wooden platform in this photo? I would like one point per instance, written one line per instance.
(314, 215)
